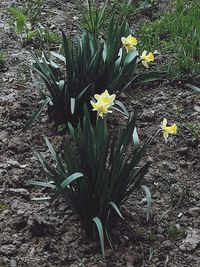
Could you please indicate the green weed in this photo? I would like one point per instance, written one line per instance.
(194, 129)
(94, 17)
(2, 58)
(174, 232)
(32, 9)
(3, 207)
(176, 34)
(128, 9)
(28, 30)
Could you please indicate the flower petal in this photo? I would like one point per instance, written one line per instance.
(145, 64)
(164, 122)
(123, 39)
(165, 135)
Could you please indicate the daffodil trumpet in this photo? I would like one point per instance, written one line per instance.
(145, 58)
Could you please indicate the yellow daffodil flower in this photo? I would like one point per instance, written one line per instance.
(129, 43)
(168, 129)
(106, 98)
(104, 102)
(145, 58)
(101, 108)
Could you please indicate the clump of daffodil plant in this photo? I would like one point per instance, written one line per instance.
(97, 172)
(83, 68)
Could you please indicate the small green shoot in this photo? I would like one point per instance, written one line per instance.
(2, 59)
(174, 232)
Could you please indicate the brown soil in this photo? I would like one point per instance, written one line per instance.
(44, 233)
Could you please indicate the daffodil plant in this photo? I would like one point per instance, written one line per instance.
(91, 66)
(97, 172)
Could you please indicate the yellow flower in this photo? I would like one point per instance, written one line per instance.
(106, 98)
(129, 43)
(168, 129)
(101, 108)
(145, 58)
(104, 102)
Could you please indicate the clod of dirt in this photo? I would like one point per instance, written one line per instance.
(183, 151)
(39, 227)
(8, 250)
(132, 257)
(191, 241)
(16, 145)
(194, 212)
(24, 193)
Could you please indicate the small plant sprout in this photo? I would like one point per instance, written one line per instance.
(168, 129)
(2, 59)
(146, 58)
(129, 43)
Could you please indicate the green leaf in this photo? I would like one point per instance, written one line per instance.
(193, 87)
(101, 234)
(70, 179)
(136, 140)
(150, 77)
(148, 198)
(82, 92)
(116, 209)
(36, 114)
(61, 85)
(51, 149)
(72, 105)
(20, 18)
(43, 184)
(57, 55)
(53, 175)
(130, 56)
(121, 108)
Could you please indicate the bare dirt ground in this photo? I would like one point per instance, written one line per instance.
(44, 233)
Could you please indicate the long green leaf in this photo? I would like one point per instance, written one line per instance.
(116, 208)
(70, 179)
(193, 87)
(43, 184)
(36, 114)
(101, 234)
(121, 108)
(136, 140)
